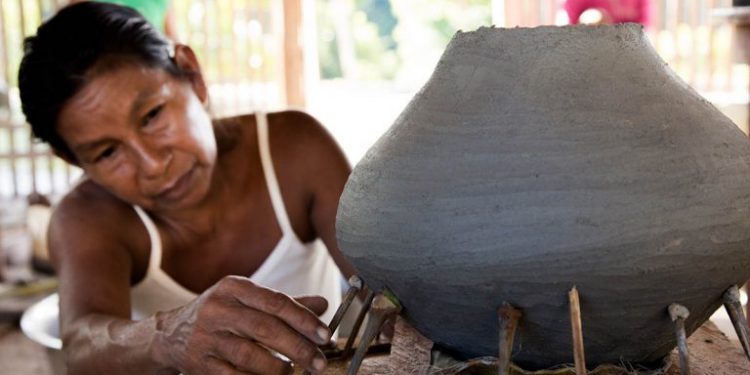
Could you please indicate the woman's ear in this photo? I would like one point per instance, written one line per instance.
(187, 62)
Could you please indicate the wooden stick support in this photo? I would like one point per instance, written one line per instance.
(355, 285)
(507, 317)
(577, 328)
(382, 308)
(679, 314)
(349, 347)
(734, 309)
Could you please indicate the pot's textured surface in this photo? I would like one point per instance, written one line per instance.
(538, 159)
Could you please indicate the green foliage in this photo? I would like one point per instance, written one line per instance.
(379, 12)
(390, 39)
(374, 57)
(328, 50)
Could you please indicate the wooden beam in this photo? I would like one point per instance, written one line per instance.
(293, 54)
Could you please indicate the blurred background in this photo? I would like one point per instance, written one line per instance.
(353, 64)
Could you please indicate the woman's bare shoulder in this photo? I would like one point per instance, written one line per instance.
(301, 146)
(302, 134)
(234, 133)
(89, 200)
(291, 133)
(89, 218)
(295, 123)
(306, 152)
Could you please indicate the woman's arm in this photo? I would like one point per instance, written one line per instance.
(325, 174)
(219, 332)
(94, 267)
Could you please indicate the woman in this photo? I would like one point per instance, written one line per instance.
(174, 203)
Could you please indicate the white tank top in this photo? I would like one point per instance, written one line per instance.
(293, 267)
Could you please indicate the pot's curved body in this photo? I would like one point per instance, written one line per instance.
(538, 159)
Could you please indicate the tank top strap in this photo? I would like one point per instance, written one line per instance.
(271, 182)
(154, 262)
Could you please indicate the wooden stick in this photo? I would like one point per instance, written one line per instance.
(349, 347)
(381, 309)
(508, 318)
(678, 314)
(734, 309)
(575, 323)
(355, 285)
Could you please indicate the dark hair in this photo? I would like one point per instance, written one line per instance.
(67, 46)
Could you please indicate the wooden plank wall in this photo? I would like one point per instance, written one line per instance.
(25, 165)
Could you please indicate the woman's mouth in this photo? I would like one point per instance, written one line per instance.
(178, 189)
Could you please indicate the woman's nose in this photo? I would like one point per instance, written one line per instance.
(153, 160)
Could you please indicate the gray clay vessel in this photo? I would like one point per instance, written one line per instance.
(537, 159)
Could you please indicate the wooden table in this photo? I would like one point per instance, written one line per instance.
(19, 355)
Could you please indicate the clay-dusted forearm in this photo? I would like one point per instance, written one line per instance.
(227, 329)
(99, 344)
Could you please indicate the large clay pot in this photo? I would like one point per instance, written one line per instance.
(538, 159)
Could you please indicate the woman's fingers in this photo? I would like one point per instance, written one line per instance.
(281, 306)
(272, 319)
(318, 305)
(249, 357)
(241, 324)
(219, 366)
(276, 335)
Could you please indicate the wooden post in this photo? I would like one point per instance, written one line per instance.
(293, 54)
(577, 327)
(739, 17)
(508, 317)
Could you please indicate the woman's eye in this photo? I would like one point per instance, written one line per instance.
(106, 154)
(152, 114)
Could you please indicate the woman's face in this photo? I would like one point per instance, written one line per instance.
(143, 135)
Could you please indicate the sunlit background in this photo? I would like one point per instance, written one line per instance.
(354, 64)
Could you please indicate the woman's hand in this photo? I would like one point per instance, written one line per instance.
(227, 329)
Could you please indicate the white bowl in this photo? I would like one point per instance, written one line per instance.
(40, 322)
